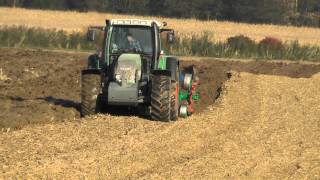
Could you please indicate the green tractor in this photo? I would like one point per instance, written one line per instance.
(131, 70)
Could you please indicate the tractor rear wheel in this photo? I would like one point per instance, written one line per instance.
(90, 89)
(161, 98)
(173, 67)
(174, 111)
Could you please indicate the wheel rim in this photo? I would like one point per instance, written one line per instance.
(183, 111)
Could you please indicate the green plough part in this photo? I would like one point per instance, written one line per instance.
(185, 95)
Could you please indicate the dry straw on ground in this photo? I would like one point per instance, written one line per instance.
(265, 126)
(74, 21)
(3, 77)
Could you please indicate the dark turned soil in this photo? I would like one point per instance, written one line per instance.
(44, 86)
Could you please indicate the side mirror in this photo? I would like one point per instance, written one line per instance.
(91, 34)
(170, 37)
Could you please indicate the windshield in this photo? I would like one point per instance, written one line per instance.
(128, 38)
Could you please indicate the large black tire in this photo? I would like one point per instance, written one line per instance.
(175, 88)
(90, 89)
(173, 67)
(161, 98)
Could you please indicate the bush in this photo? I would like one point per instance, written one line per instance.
(242, 46)
(43, 38)
(271, 43)
(235, 47)
(271, 48)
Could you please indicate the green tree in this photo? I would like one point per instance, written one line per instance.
(207, 9)
(308, 6)
(44, 4)
(298, 12)
(262, 11)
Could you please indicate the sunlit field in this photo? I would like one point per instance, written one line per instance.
(221, 30)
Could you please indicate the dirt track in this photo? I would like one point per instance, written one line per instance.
(266, 123)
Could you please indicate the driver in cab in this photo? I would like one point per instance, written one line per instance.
(128, 43)
(133, 43)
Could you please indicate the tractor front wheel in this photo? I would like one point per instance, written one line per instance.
(90, 89)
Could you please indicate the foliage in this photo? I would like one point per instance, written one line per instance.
(271, 48)
(302, 12)
(203, 45)
(42, 38)
(241, 45)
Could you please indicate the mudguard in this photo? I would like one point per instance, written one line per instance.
(169, 63)
(172, 66)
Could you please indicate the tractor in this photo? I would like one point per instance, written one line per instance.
(131, 70)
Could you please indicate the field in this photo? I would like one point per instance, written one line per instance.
(74, 21)
(255, 119)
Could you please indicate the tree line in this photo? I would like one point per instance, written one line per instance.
(289, 12)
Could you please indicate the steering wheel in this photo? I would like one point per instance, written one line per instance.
(134, 50)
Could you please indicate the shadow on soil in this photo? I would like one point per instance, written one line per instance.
(113, 110)
(126, 111)
(61, 102)
(12, 98)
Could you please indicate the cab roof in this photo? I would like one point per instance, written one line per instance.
(135, 22)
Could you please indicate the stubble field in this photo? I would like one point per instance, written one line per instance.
(75, 21)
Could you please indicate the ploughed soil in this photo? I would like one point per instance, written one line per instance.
(254, 119)
(44, 86)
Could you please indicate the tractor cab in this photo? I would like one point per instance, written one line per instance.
(133, 71)
(131, 36)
